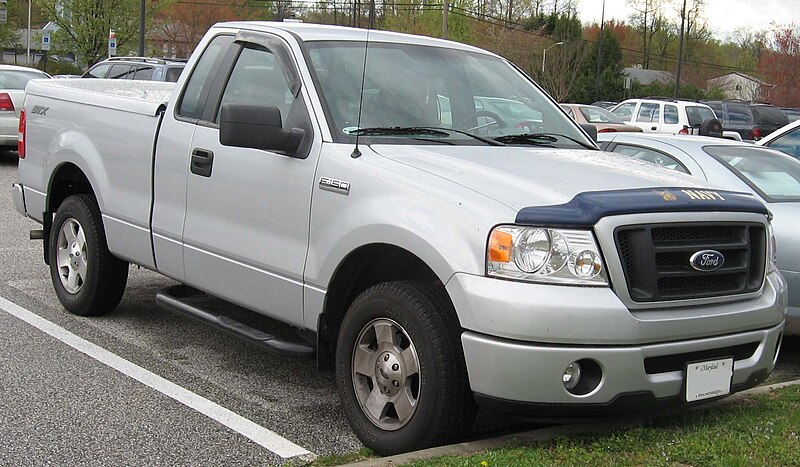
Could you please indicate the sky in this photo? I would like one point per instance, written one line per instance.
(723, 16)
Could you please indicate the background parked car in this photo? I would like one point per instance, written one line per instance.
(791, 113)
(752, 121)
(604, 104)
(770, 175)
(509, 114)
(602, 119)
(13, 80)
(663, 115)
(141, 68)
(785, 139)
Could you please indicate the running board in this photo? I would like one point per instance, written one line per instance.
(171, 298)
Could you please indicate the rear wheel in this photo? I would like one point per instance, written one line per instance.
(87, 278)
(400, 369)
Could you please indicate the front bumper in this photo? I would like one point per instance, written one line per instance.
(520, 337)
(529, 373)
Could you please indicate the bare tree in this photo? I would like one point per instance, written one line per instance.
(562, 68)
(649, 20)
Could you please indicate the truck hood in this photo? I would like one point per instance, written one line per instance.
(521, 177)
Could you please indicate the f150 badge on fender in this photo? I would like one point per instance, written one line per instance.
(336, 186)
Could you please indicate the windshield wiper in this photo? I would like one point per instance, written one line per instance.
(398, 130)
(539, 139)
(419, 131)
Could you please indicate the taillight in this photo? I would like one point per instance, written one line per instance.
(21, 137)
(684, 130)
(607, 130)
(756, 133)
(6, 104)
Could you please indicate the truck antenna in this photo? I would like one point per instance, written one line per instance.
(356, 152)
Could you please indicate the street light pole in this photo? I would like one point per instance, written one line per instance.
(544, 53)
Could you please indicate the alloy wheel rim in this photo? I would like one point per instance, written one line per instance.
(386, 374)
(72, 259)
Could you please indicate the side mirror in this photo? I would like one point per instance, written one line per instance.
(590, 130)
(257, 127)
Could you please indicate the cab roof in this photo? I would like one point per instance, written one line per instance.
(323, 32)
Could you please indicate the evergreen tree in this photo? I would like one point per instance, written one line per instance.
(612, 78)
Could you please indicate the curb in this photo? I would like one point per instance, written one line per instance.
(542, 434)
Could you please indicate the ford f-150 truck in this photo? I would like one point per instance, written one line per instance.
(439, 232)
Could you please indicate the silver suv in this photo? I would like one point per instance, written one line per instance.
(140, 68)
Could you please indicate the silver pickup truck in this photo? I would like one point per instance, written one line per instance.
(438, 231)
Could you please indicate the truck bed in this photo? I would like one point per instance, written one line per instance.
(107, 128)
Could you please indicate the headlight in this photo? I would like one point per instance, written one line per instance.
(545, 255)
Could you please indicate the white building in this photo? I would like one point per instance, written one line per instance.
(739, 86)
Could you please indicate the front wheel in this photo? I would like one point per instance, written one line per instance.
(87, 278)
(400, 369)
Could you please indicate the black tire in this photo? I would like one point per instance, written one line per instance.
(425, 322)
(711, 127)
(93, 281)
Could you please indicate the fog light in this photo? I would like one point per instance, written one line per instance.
(572, 375)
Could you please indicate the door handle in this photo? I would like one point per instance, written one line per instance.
(654, 128)
(202, 162)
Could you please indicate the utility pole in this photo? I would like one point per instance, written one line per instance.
(141, 28)
(29, 33)
(445, 11)
(680, 51)
(600, 53)
(372, 14)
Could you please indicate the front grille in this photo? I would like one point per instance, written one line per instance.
(655, 259)
(677, 362)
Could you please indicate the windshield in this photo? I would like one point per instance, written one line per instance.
(413, 86)
(598, 115)
(775, 176)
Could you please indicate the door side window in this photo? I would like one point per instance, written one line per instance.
(670, 114)
(195, 93)
(650, 155)
(120, 71)
(257, 79)
(143, 73)
(648, 112)
(788, 143)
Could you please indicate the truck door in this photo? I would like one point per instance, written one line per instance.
(245, 235)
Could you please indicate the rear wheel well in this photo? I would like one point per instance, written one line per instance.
(363, 268)
(68, 180)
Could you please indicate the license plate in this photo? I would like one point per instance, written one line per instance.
(705, 380)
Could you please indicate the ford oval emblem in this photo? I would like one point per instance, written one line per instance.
(707, 260)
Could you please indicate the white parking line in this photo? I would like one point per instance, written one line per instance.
(258, 434)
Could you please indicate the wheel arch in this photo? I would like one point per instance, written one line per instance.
(364, 267)
(67, 179)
